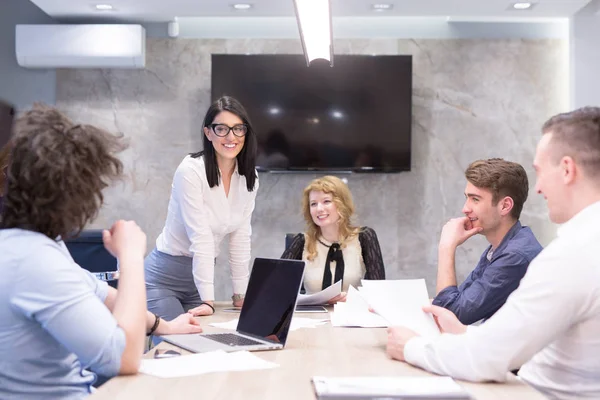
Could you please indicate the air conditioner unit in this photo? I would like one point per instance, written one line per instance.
(81, 46)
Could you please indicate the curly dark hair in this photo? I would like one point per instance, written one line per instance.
(4, 156)
(57, 172)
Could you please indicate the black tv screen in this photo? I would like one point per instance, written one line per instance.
(354, 116)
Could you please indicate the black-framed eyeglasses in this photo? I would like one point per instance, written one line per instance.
(222, 130)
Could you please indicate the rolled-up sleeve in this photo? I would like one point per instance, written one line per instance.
(477, 299)
(53, 291)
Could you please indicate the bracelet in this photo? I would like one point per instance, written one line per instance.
(156, 322)
(237, 297)
(213, 309)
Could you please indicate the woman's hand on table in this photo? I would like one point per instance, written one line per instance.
(202, 310)
(185, 323)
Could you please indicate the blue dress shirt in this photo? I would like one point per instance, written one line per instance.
(486, 289)
(55, 331)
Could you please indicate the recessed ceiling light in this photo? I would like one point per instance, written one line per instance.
(104, 7)
(242, 6)
(382, 6)
(522, 6)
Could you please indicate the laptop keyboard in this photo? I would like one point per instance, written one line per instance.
(231, 339)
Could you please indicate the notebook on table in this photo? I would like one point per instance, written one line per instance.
(266, 315)
(382, 387)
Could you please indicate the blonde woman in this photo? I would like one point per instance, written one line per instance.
(333, 248)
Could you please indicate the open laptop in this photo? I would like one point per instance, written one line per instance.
(266, 315)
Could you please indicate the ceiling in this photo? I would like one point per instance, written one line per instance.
(163, 10)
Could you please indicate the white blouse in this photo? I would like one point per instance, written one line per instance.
(199, 218)
(354, 266)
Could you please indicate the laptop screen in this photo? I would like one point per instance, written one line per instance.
(271, 298)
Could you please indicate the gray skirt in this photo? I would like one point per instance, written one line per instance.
(170, 288)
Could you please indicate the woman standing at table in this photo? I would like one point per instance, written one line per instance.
(212, 196)
(333, 248)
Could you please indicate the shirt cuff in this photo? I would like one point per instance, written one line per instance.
(240, 286)
(414, 351)
(101, 290)
(206, 291)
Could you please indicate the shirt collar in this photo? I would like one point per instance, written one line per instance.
(582, 221)
(509, 235)
(235, 170)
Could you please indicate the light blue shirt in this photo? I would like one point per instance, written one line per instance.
(54, 326)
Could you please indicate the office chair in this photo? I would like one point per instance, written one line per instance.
(289, 238)
(88, 251)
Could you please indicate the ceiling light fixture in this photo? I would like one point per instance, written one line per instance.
(104, 7)
(314, 24)
(242, 6)
(382, 7)
(522, 6)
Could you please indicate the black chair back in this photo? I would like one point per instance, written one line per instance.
(89, 252)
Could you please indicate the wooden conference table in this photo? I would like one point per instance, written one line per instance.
(324, 351)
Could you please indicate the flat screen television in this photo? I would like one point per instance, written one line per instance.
(352, 117)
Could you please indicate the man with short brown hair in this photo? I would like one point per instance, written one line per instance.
(495, 193)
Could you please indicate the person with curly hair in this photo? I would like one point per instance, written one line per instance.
(59, 325)
(333, 248)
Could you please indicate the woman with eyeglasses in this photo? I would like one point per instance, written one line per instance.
(212, 197)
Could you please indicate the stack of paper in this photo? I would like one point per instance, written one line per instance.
(434, 387)
(355, 312)
(322, 297)
(297, 323)
(203, 363)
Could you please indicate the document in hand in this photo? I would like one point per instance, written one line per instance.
(355, 312)
(322, 297)
(434, 387)
(401, 302)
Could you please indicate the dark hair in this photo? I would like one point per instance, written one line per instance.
(502, 178)
(57, 172)
(246, 159)
(4, 157)
(577, 134)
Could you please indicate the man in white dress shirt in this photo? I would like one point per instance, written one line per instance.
(550, 326)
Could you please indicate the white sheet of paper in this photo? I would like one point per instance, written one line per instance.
(355, 312)
(400, 302)
(203, 363)
(415, 387)
(322, 297)
(297, 323)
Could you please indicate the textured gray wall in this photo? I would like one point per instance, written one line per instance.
(472, 99)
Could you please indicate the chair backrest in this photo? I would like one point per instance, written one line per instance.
(289, 238)
(89, 252)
